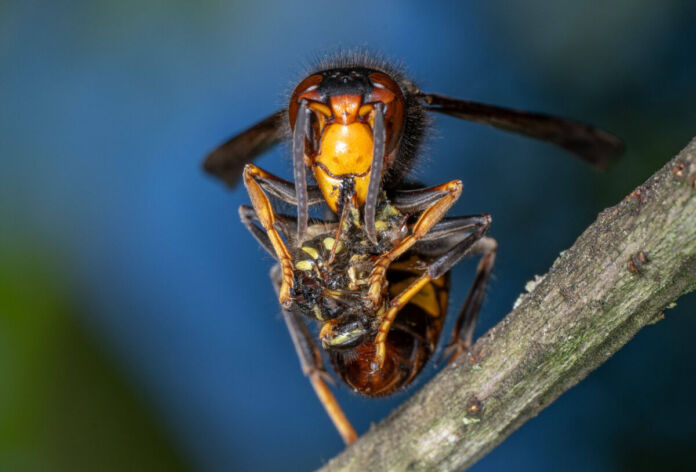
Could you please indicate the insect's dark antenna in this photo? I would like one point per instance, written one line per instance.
(373, 188)
(298, 164)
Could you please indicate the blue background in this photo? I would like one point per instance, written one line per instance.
(109, 107)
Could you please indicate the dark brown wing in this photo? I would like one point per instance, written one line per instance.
(228, 160)
(593, 145)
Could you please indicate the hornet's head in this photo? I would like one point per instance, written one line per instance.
(351, 121)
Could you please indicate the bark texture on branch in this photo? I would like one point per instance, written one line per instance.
(621, 274)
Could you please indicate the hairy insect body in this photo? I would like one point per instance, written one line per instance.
(332, 272)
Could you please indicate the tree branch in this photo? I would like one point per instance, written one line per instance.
(632, 263)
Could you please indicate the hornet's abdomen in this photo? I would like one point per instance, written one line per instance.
(411, 341)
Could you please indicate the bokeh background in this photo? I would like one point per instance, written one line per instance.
(138, 327)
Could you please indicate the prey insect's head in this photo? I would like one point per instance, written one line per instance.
(346, 333)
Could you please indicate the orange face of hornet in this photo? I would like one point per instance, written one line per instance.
(342, 107)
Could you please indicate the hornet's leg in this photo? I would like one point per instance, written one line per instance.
(266, 215)
(474, 229)
(463, 332)
(449, 232)
(285, 224)
(445, 196)
(313, 365)
(249, 218)
(416, 200)
(285, 190)
(438, 242)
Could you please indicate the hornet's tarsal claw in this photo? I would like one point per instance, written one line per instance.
(373, 188)
(452, 352)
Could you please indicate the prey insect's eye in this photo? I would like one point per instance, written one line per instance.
(346, 335)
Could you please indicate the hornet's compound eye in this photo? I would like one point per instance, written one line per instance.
(307, 89)
(386, 91)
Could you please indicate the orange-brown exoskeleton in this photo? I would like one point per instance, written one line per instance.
(376, 274)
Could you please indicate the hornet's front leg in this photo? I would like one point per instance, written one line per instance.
(266, 216)
(434, 203)
(457, 240)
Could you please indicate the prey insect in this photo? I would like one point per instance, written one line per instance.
(374, 273)
(375, 349)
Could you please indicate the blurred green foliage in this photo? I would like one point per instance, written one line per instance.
(63, 405)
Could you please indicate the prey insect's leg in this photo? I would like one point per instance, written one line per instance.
(266, 215)
(447, 194)
(346, 207)
(313, 365)
(450, 255)
(463, 332)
